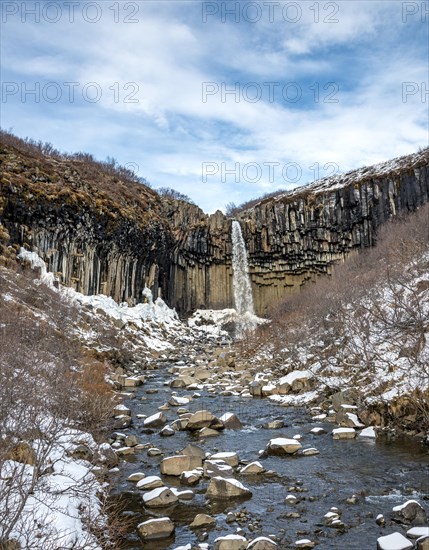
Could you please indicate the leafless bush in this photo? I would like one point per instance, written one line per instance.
(169, 193)
(48, 385)
(370, 318)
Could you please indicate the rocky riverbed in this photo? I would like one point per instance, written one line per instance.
(248, 473)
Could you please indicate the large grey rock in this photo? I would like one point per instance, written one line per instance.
(158, 498)
(156, 420)
(283, 446)
(410, 512)
(344, 433)
(230, 458)
(191, 477)
(255, 388)
(194, 450)
(224, 488)
(252, 469)
(175, 465)
(213, 468)
(150, 482)
(182, 382)
(231, 421)
(202, 419)
(230, 542)
(202, 520)
(155, 529)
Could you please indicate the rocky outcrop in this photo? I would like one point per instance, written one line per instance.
(100, 234)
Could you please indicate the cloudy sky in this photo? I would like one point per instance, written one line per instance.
(223, 101)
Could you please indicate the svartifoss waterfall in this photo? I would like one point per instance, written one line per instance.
(243, 299)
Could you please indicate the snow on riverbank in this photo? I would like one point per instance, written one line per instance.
(156, 324)
(51, 495)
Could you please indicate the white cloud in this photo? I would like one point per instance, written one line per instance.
(170, 53)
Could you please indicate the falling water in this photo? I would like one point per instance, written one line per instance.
(240, 279)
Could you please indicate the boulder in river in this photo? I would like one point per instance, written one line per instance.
(136, 476)
(157, 498)
(410, 512)
(230, 542)
(202, 520)
(191, 477)
(224, 488)
(252, 469)
(262, 543)
(231, 421)
(207, 432)
(274, 425)
(156, 420)
(193, 450)
(230, 458)
(213, 468)
(305, 544)
(394, 541)
(175, 465)
(150, 482)
(344, 433)
(418, 532)
(155, 529)
(283, 446)
(182, 382)
(201, 419)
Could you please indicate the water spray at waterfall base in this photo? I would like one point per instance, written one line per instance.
(242, 286)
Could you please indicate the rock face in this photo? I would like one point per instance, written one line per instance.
(101, 234)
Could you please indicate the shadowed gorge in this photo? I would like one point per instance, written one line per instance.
(103, 234)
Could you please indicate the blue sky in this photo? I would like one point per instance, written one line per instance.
(223, 101)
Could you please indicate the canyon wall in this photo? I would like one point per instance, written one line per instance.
(296, 236)
(101, 235)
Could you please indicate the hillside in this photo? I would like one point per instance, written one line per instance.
(363, 332)
(101, 231)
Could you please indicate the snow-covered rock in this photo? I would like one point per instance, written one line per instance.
(224, 488)
(175, 465)
(394, 541)
(157, 498)
(410, 512)
(155, 529)
(344, 433)
(230, 542)
(283, 446)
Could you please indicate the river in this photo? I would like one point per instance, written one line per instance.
(381, 473)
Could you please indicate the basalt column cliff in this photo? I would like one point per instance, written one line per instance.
(295, 236)
(103, 234)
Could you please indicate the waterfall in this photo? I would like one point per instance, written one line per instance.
(243, 299)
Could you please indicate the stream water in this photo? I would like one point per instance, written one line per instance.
(382, 473)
